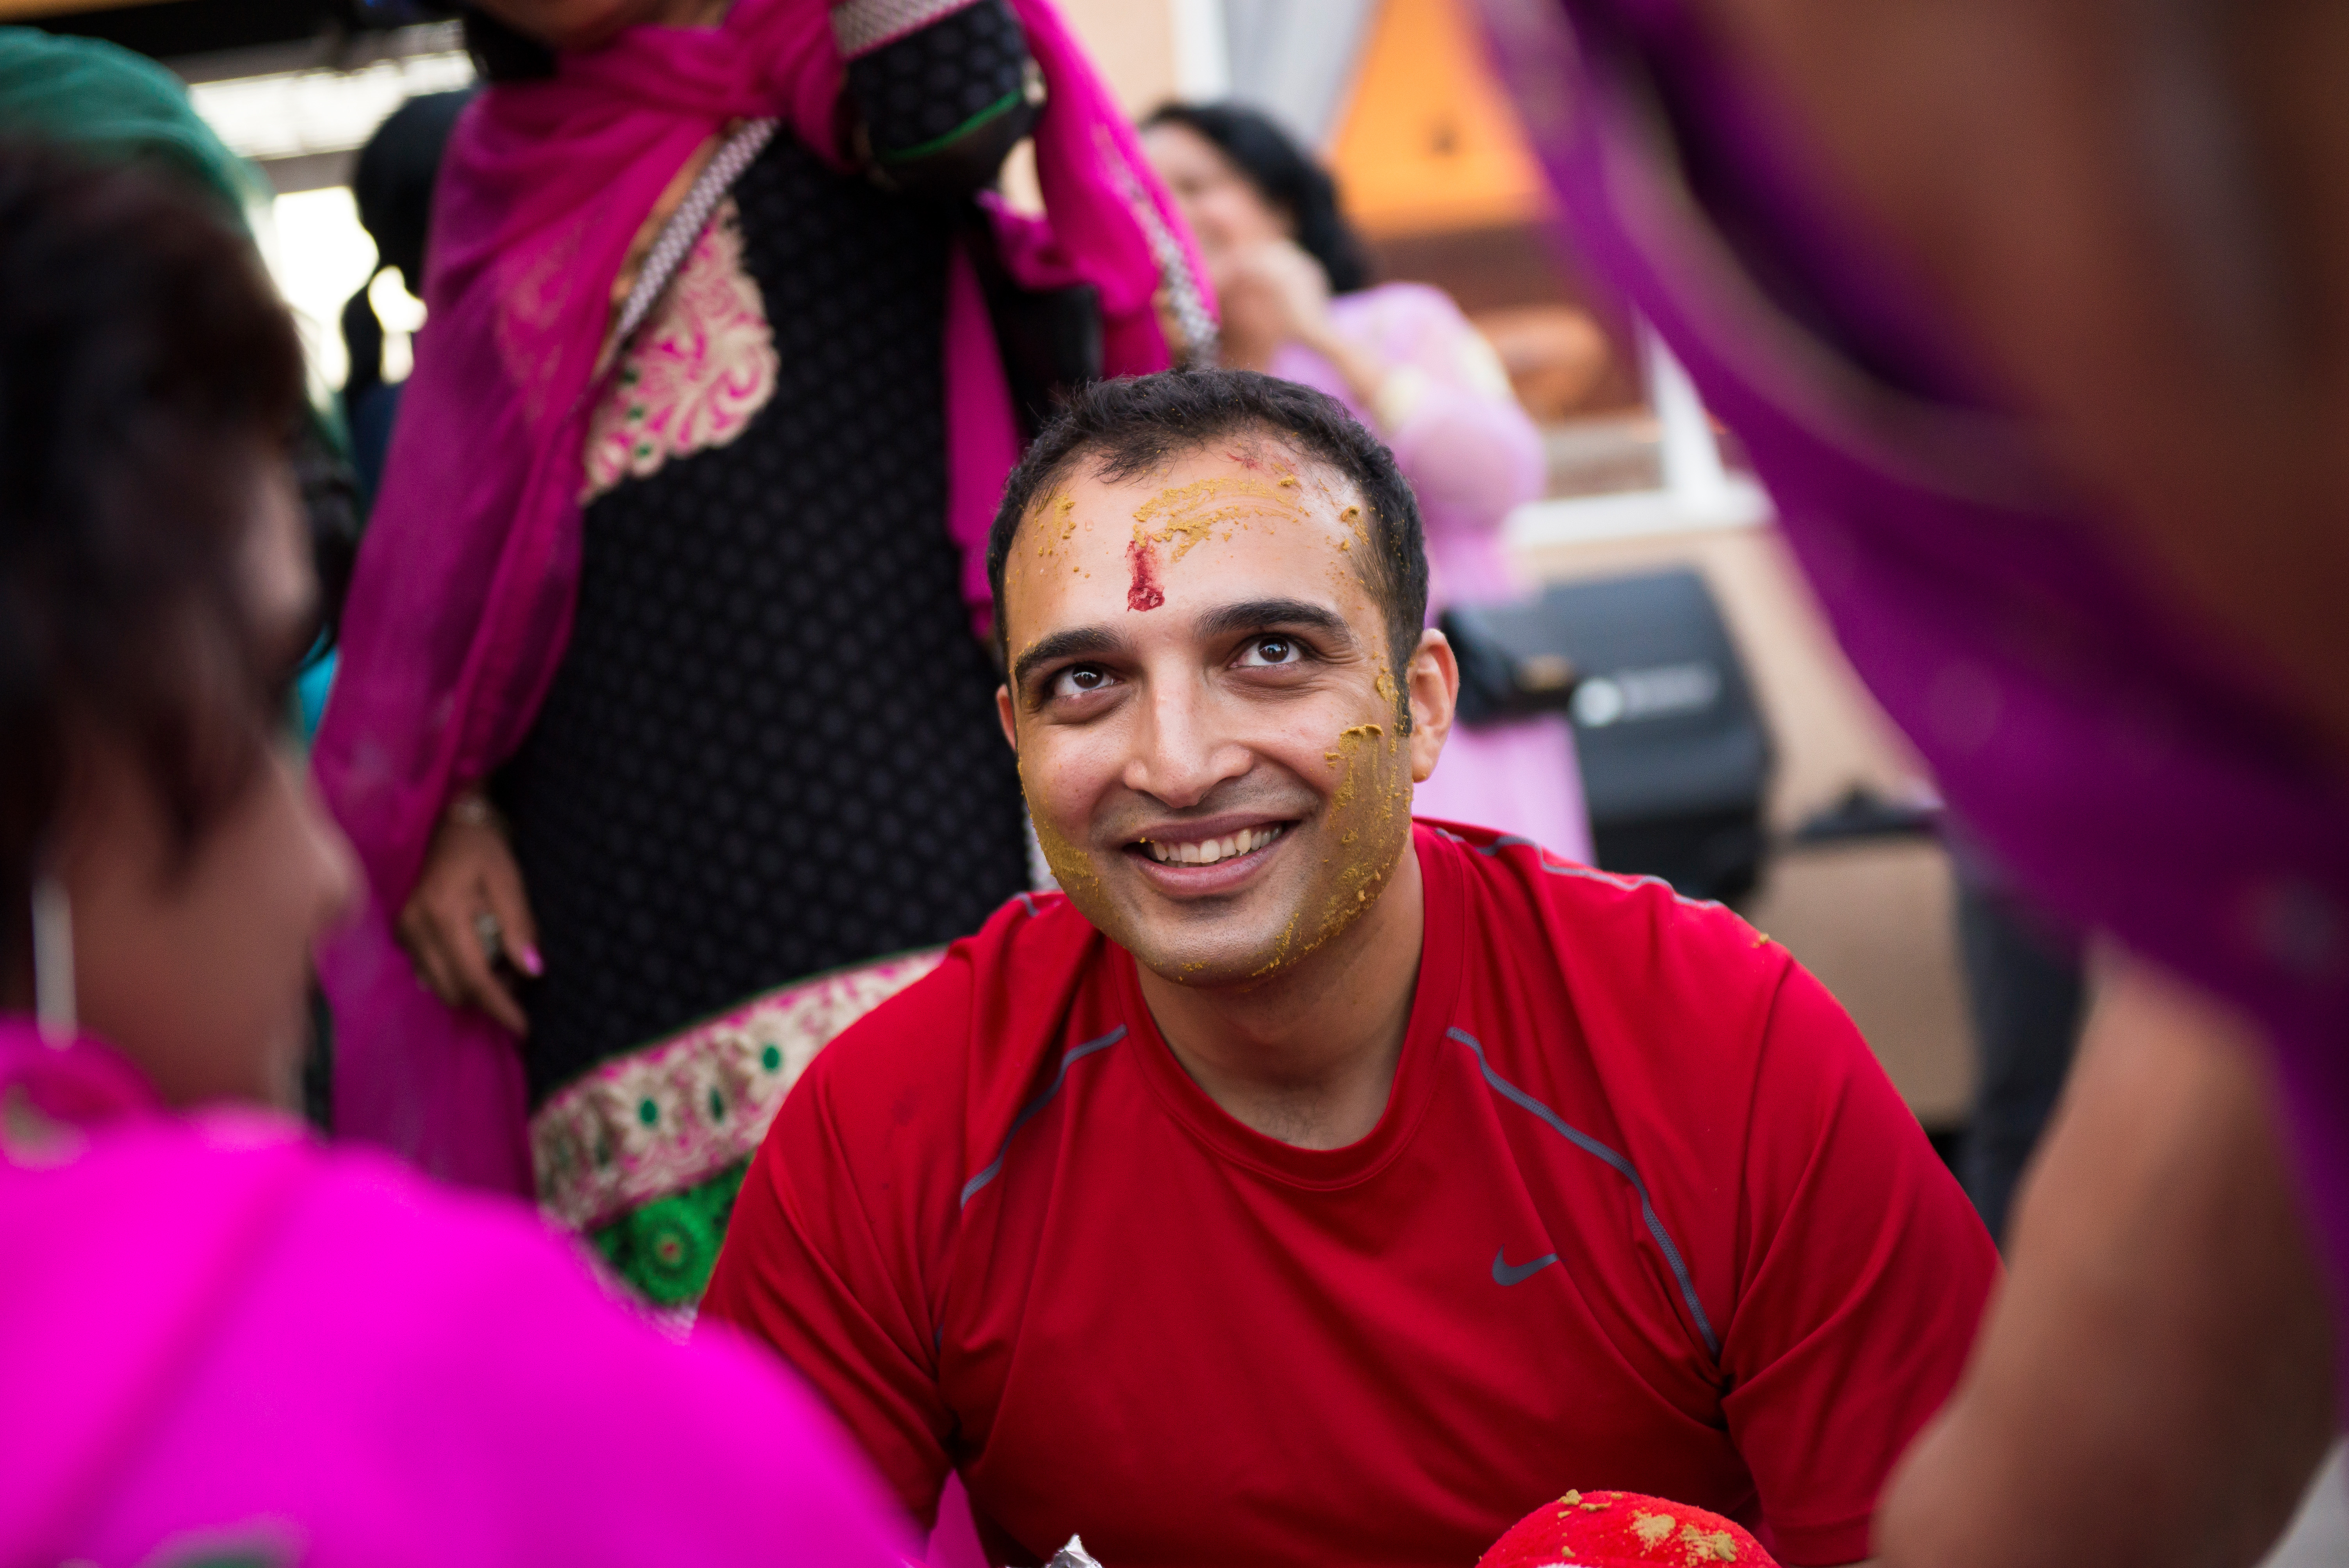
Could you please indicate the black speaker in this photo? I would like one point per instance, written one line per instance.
(1676, 758)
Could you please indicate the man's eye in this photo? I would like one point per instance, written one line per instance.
(1078, 679)
(1271, 651)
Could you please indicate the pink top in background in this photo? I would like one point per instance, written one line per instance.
(215, 1333)
(1472, 455)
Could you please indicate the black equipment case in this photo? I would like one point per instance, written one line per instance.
(1676, 758)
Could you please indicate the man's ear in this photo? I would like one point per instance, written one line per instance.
(1005, 717)
(1432, 683)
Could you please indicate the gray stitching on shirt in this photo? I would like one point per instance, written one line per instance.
(995, 1166)
(1590, 1145)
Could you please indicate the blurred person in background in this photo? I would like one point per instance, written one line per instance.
(660, 691)
(1293, 282)
(2031, 318)
(392, 186)
(220, 1341)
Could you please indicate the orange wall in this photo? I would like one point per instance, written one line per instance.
(1429, 140)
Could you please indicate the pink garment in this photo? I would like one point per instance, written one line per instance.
(462, 605)
(1472, 455)
(213, 1331)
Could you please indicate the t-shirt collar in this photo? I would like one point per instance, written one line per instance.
(1434, 1002)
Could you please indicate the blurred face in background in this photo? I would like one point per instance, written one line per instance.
(1228, 214)
(589, 24)
(193, 958)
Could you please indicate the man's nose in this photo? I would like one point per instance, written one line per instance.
(1180, 754)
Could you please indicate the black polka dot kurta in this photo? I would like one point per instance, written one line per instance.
(772, 749)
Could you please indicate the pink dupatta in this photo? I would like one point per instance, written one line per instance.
(462, 605)
(215, 1333)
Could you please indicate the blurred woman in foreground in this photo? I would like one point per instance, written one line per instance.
(1295, 289)
(217, 1339)
(2031, 316)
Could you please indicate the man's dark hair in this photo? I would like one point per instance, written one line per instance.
(1125, 428)
(146, 368)
(1288, 179)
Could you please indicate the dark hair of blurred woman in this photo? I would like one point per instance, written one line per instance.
(1286, 176)
(151, 384)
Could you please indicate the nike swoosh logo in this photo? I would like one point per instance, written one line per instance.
(1503, 1274)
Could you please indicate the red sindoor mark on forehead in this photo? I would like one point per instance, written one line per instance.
(1144, 593)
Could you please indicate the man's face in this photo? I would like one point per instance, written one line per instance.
(1205, 710)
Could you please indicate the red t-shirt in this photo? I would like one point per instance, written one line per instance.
(1642, 1213)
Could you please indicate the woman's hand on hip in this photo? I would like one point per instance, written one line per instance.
(468, 911)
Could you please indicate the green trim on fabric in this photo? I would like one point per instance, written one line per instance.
(993, 111)
(666, 1250)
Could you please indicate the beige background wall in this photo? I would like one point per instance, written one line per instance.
(1132, 43)
(1871, 920)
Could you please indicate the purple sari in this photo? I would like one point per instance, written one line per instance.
(221, 1341)
(462, 605)
(2107, 754)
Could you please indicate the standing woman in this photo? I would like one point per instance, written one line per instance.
(659, 691)
(1297, 302)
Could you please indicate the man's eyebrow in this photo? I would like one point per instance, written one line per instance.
(1255, 614)
(1072, 642)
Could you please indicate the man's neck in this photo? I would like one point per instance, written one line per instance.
(1308, 1057)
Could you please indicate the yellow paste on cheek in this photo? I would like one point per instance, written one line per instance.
(1368, 827)
(1073, 867)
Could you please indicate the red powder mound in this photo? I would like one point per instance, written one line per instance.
(1144, 593)
(1599, 1529)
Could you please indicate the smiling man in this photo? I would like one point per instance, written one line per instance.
(1308, 1185)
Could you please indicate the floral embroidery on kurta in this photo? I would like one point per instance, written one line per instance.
(696, 372)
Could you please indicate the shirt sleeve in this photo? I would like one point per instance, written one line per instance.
(809, 1268)
(1864, 1273)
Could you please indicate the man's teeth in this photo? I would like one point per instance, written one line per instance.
(1207, 851)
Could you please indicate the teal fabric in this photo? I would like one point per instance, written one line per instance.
(117, 105)
(111, 105)
(310, 689)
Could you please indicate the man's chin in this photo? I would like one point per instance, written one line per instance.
(1224, 947)
(1218, 966)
